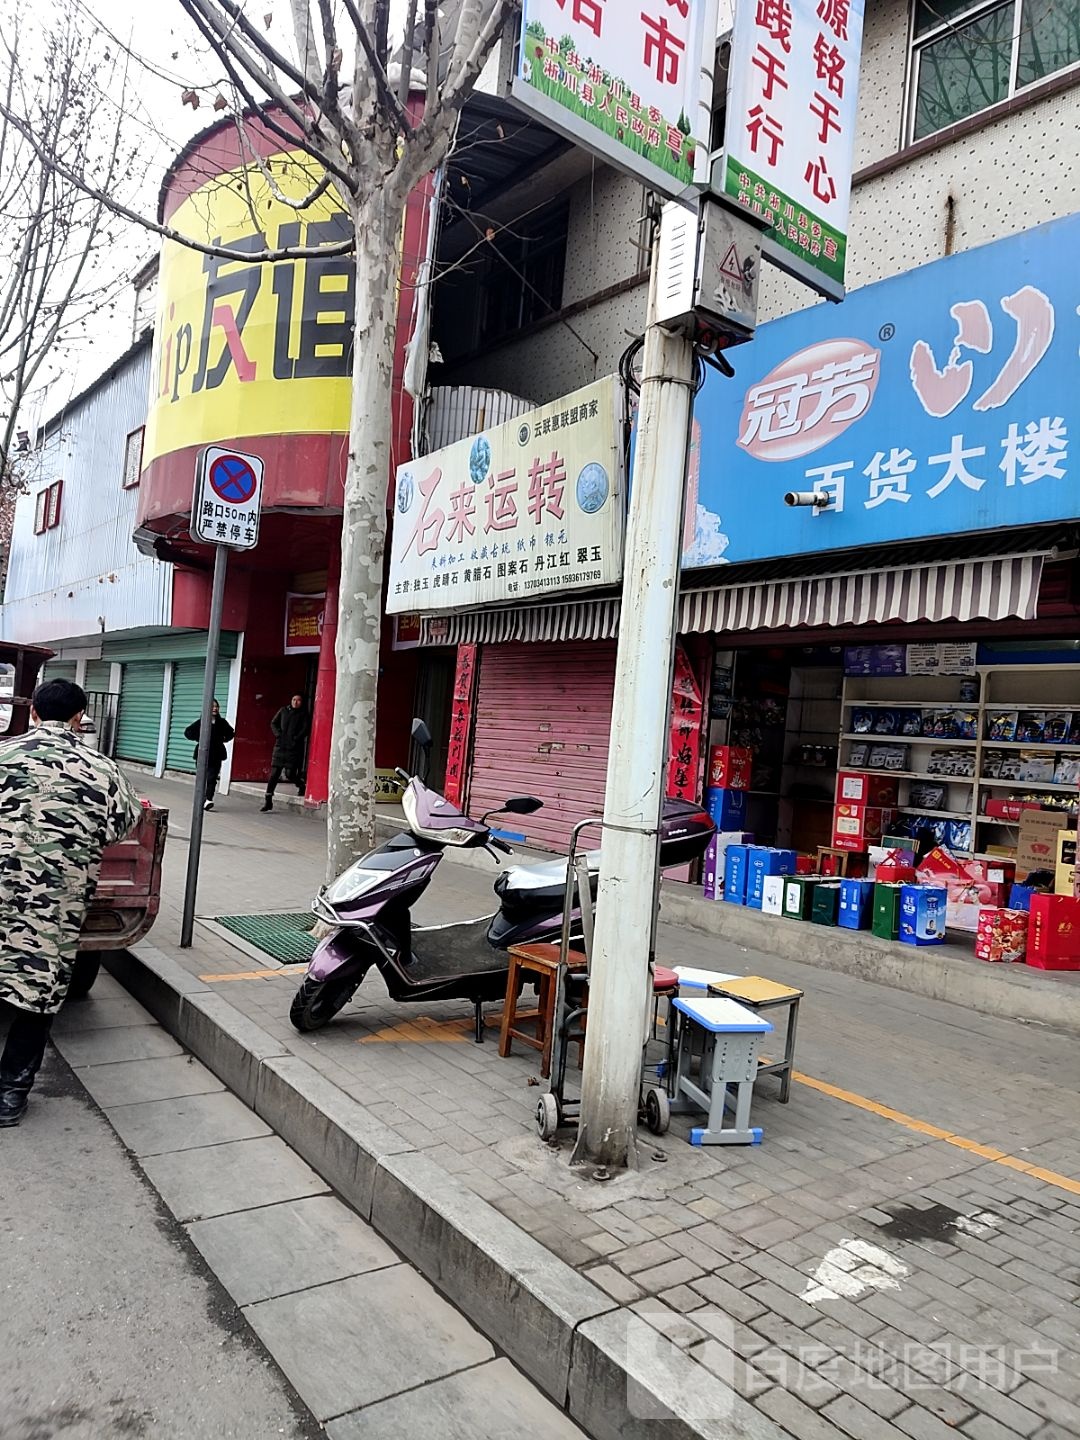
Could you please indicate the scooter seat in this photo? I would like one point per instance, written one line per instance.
(539, 884)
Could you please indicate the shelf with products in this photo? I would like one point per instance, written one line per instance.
(1035, 785)
(1044, 747)
(871, 738)
(933, 814)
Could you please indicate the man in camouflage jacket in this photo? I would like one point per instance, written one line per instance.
(61, 804)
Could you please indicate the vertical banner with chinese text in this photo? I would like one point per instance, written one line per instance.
(790, 129)
(630, 82)
(457, 754)
(687, 710)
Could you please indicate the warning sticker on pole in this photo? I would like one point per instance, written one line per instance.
(227, 502)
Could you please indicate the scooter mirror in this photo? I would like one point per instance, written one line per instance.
(523, 805)
(421, 734)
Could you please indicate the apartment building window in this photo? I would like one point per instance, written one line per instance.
(47, 508)
(968, 57)
(524, 281)
(132, 458)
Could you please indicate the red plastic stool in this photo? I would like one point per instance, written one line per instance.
(665, 987)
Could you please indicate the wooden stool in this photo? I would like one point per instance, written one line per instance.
(541, 961)
(761, 994)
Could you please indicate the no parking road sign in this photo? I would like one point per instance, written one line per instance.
(228, 498)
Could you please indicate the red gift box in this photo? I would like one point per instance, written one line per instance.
(805, 865)
(856, 826)
(1054, 933)
(729, 767)
(854, 787)
(1009, 809)
(1002, 935)
(972, 885)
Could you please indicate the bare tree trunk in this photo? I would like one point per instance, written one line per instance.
(351, 828)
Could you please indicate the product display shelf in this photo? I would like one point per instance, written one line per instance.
(1002, 690)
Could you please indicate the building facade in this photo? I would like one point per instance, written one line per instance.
(965, 148)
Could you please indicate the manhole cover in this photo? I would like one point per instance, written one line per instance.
(287, 938)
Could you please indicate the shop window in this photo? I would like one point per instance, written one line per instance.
(133, 446)
(967, 57)
(525, 271)
(47, 508)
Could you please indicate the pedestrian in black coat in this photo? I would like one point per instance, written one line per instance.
(221, 732)
(290, 726)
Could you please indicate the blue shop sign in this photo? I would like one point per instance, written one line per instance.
(939, 402)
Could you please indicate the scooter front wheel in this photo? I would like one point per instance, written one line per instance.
(317, 1001)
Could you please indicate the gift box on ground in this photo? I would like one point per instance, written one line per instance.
(762, 861)
(729, 767)
(886, 919)
(922, 914)
(726, 807)
(1002, 935)
(970, 885)
(1054, 933)
(826, 903)
(856, 904)
(772, 895)
(712, 874)
(736, 871)
(799, 895)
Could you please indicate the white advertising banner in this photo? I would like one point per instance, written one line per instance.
(790, 129)
(630, 82)
(534, 507)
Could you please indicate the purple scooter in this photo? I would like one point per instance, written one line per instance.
(369, 906)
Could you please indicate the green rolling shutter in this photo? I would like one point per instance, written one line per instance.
(186, 703)
(98, 676)
(139, 724)
(58, 670)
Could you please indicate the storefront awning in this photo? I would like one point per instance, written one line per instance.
(1000, 588)
(576, 620)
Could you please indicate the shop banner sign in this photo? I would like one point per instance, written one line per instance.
(632, 83)
(789, 142)
(532, 508)
(457, 751)
(940, 402)
(687, 711)
(304, 623)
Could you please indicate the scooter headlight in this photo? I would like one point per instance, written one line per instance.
(352, 883)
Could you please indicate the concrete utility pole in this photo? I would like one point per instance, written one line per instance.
(619, 984)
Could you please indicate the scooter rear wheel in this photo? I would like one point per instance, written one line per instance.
(317, 1001)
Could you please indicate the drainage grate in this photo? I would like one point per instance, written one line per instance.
(286, 938)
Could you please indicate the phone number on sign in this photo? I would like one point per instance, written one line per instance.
(543, 582)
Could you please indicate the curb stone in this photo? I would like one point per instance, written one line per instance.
(562, 1330)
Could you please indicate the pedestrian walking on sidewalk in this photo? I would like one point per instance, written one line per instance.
(221, 732)
(61, 804)
(290, 726)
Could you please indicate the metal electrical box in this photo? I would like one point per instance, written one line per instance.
(710, 264)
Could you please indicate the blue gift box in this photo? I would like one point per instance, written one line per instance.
(735, 874)
(922, 914)
(727, 808)
(762, 861)
(1020, 897)
(856, 904)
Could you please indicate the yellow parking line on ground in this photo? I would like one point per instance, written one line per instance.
(937, 1132)
(254, 974)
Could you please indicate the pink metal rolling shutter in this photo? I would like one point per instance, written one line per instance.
(543, 714)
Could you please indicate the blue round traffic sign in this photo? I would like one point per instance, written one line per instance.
(232, 479)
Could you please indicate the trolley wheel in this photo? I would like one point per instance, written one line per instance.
(657, 1110)
(547, 1116)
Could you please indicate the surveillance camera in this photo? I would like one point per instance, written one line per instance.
(806, 497)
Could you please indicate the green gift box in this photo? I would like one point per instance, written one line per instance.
(799, 895)
(886, 922)
(826, 903)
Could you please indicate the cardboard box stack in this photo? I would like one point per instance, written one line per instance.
(729, 780)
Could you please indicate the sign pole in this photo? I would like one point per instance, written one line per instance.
(202, 764)
(619, 976)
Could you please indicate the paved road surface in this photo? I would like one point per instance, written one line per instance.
(110, 1322)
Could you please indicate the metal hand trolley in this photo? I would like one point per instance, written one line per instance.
(554, 1109)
